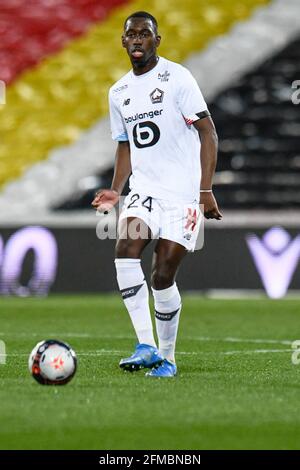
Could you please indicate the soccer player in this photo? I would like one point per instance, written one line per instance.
(168, 143)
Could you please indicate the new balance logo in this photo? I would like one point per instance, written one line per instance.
(187, 236)
(126, 102)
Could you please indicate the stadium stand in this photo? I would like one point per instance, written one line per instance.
(43, 27)
(56, 104)
(259, 131)
(56, 133)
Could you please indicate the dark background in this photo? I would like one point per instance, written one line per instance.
(86, 264)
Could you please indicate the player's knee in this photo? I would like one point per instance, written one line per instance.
(126, 249)
(162, 276)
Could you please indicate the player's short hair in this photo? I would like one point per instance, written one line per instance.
(142, 14)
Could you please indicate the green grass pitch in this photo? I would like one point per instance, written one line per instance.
(237, 387)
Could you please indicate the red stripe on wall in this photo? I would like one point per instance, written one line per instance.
(30, 30)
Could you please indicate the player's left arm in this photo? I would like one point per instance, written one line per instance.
(208, 158)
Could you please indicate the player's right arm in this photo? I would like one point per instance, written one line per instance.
(105, 199)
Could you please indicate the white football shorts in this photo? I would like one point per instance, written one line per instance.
(178, 222)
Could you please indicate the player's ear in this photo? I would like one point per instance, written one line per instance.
(158, 39)
(123, 40)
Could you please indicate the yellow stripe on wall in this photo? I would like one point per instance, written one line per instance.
(50, 105)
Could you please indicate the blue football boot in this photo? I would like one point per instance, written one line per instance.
(144, 356)
(166, 369)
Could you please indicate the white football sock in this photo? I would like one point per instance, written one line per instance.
(167, 303)
(135, 294)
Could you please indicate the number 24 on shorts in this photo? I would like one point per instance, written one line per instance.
(147, 202)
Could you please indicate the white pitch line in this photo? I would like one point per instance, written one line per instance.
(194, 353)
(65, 335)
(240, 340)
(257, 351)
(228, 339)
(105, 352)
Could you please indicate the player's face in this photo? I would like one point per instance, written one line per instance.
(140, 41)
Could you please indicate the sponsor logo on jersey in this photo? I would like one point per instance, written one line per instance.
(126, 102)
(164, 77)
(121, 88)
(137, 116)
(157, 96)
(145, 134)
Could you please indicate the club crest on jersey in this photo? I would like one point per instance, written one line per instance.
(157, 96)
(164, 77)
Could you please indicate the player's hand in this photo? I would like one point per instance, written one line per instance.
(105, 199)
(211, 210)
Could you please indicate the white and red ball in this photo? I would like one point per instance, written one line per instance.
(52, 362)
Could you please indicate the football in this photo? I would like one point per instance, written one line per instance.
(52, 362)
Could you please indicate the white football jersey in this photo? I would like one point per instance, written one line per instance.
(155, 112)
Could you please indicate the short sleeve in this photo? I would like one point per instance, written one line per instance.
(190, 99)
(118, 130)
